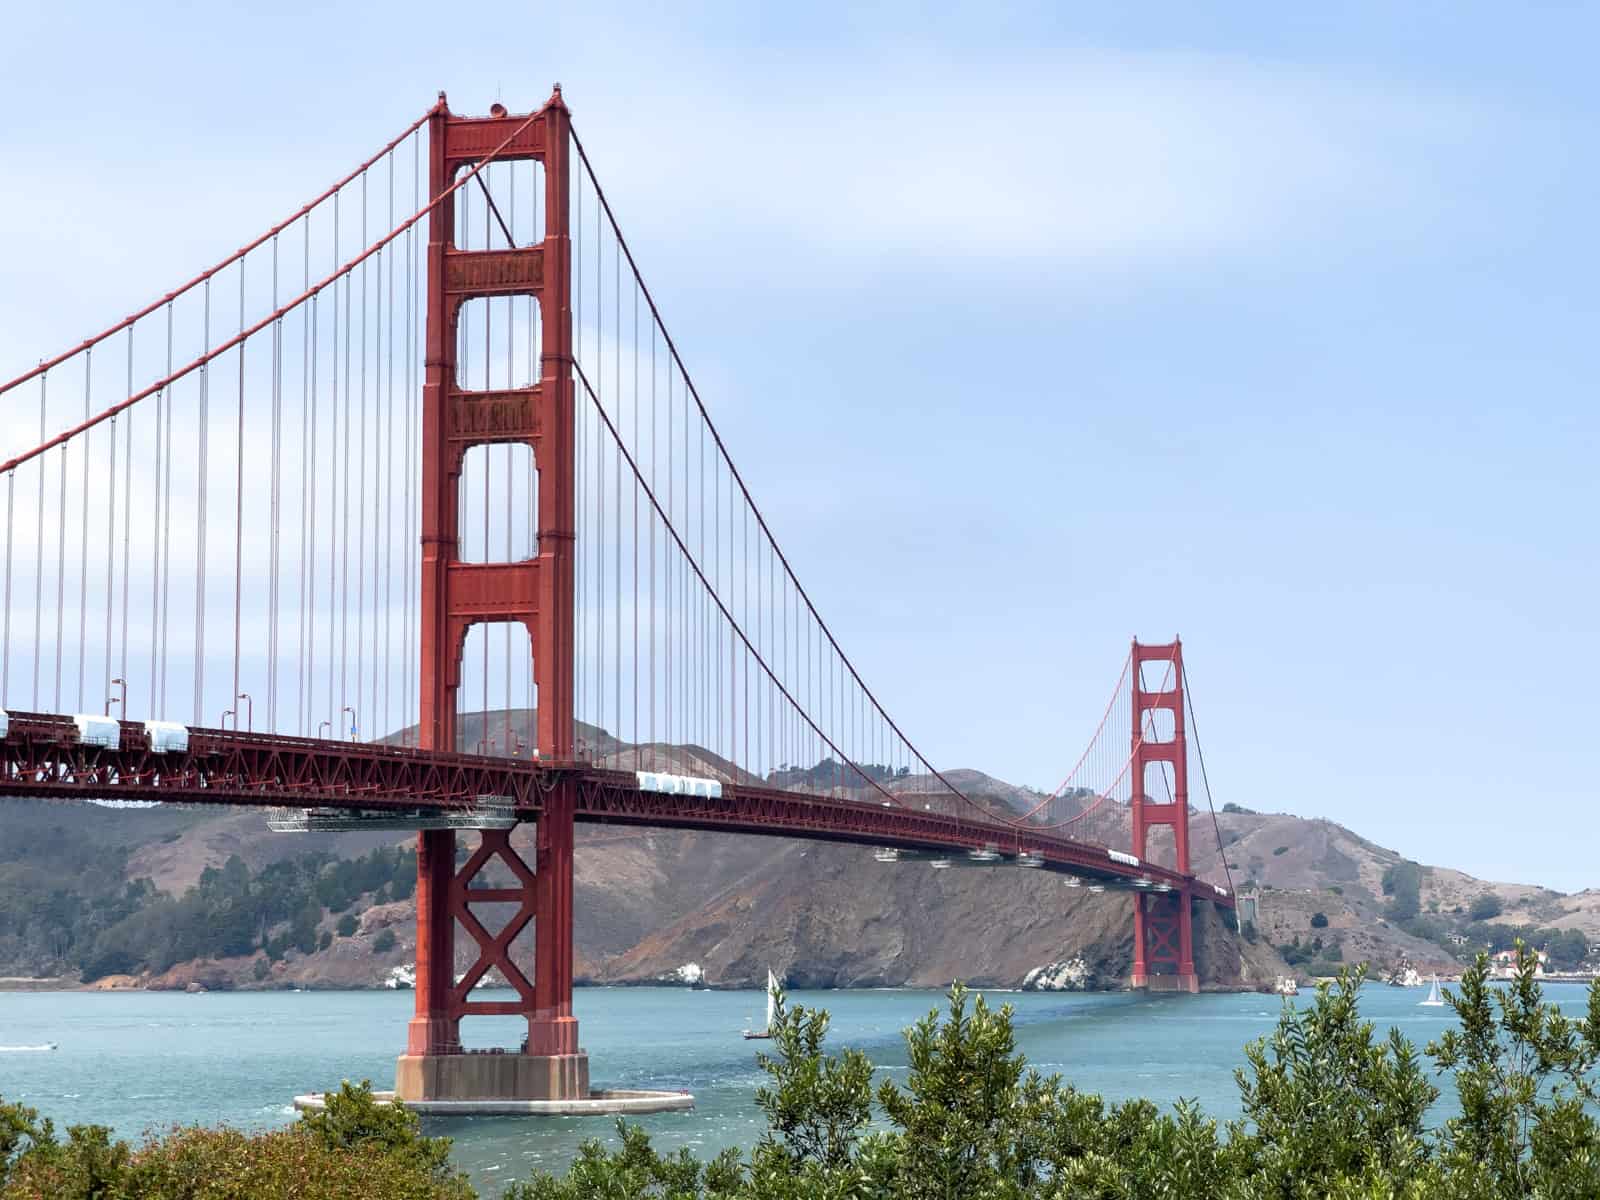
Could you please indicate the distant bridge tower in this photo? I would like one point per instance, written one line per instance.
(1163, 934)
(537, 592)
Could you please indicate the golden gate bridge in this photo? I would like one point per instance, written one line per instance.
(427, 445)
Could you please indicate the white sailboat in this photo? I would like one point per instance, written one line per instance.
(1434, 1000)
(772, 1009)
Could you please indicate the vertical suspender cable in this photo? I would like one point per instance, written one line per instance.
(315, 321)
(596, 601)
(388, 475)
(83, 545)
(165, 563)
(715, 703)
(38, 549)
(61, 526)
(408, 575)
(653, 483)
(111, 530)
(361, 484)
(374, 724)
(155, 574)
(703, 676)
(302, 700)
(744, 530)
(344, 532)
(238, 509)
(616, 452)
(636, 737)
(200, 519)
(666, 616)
(127, 525)
(335, 607)
(273, 593)
(379, 441)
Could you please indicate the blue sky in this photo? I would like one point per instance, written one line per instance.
(1036, 328)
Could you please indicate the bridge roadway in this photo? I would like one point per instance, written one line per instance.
(43, 755)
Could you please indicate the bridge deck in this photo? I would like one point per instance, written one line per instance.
(43, 755)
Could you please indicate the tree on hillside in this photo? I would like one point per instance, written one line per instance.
(1402, 883)
(1485, 907)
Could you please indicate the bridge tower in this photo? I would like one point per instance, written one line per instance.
(538, 592)
(1163, 935)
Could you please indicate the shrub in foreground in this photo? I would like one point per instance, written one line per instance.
(1331, 1110)
(359, 1149)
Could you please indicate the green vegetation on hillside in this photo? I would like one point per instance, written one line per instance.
(1485, 907)
(1402, 883)
(65, 905)
(1331, 1109)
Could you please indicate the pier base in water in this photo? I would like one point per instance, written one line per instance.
(430, 1077)
(594, 1104)
(1167, 983)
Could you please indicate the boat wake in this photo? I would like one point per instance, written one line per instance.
(42, 1048)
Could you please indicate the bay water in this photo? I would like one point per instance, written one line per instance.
(143, 1061)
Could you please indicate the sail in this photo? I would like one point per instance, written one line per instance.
(1434, 1000)
(772, 999)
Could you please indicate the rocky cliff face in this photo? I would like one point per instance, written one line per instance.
(830, 916)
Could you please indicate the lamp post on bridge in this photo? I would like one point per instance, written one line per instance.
(122, 700)
(222, 723)
(250, 713)
(352, 712)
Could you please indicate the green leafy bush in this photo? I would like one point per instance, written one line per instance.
(1332, 1109)
(359, 1149)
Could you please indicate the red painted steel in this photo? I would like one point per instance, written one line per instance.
(1163, 932)
(538, 592)
(40, 756)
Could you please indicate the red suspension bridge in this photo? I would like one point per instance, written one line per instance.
(426, 447)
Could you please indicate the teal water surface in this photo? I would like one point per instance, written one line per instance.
(140, 1061)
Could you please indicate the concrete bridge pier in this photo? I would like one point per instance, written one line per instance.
(550, 1064)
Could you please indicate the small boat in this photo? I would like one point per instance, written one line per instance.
(772, 1009)
(1434, 1000)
